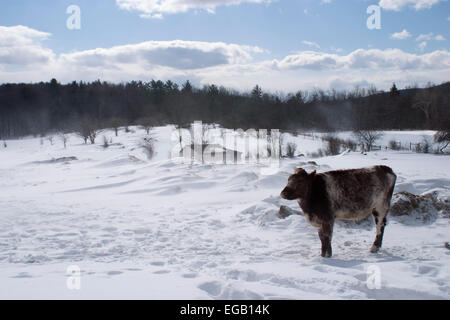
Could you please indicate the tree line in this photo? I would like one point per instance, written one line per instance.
(39, 108)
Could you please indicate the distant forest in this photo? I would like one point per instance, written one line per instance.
(40, 108)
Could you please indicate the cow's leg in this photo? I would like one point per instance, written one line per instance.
(325, 235)
(380, 223)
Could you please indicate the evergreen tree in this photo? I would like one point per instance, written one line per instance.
(257, 92)
(187, 87)
(394, 91)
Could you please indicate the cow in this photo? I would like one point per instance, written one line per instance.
(342, 195)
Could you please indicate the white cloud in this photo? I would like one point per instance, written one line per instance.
(425, 37)
(339, 50)
(423, 45)
(177, 54)
(311, 60)
(311, 44)
(20, 45)
(158, 8)
(430, 36)
(401, 35)
(397, 5)
(226, 64)
(375, 59)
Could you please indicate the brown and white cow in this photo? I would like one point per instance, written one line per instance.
(342, 195)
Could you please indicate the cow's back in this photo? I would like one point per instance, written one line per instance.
(353, 194)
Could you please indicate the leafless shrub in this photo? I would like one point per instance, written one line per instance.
(318, 154)
(425, 145)
(350, 144)
(290, 150)
(394, 145)
(128, 130)
(333, 145)
(336, 145)
(105, 142)
(148, 144)
(418, 148)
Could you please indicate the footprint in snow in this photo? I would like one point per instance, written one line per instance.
(22, 275)
(361, 276)
(161, 272)
(213, 288)
(133, 269)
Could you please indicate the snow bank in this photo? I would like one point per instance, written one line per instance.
(161, 229)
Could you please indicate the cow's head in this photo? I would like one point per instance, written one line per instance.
(298, 185)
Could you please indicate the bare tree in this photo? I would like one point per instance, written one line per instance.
(88, 130)
(372, 90)
(425, 102)
(93, 136)
(201, 131)
(443, 138)
(115, 124)
(64, 138)
(147, 123)
(367, 138)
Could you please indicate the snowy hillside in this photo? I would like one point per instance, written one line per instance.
(160, 229)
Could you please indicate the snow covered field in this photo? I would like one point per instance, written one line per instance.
(160, 229)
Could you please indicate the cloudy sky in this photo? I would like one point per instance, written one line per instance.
(283, 45)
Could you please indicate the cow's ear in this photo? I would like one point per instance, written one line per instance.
(312, 174)
(299, 171)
